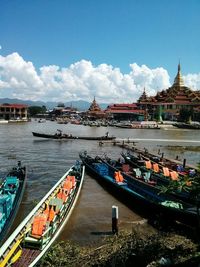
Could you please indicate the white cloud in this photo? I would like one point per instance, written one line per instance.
(81, 80)
(0, 47)
(192, 81)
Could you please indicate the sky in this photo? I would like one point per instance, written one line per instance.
(64, 50)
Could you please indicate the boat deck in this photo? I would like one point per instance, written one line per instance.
(28, 255)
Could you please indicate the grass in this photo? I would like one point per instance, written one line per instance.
(136, 249)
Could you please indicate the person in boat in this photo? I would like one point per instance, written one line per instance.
(59, 133)
(107, 134)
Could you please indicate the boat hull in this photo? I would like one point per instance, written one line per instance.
(68, 137)
(142, 198)
(30, 256)
(15, 207)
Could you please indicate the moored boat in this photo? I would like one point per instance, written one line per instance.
(137, 157)
(11, 193)
(32, 238)
(138, 126)
(60, 135)
(139, 193)
(192, 126)
(154, 174)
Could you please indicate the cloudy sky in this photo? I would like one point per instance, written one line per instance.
(72, 49)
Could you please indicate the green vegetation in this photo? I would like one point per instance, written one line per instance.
(34, 110)
(185, 115)
(137, 248)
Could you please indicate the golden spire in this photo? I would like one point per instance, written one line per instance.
(178, 81)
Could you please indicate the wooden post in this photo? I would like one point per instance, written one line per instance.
(184, 163)
(115, 216)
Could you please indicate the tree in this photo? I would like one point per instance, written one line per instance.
(186, 115)
(61, 105)
(34, 110)
(187, 184)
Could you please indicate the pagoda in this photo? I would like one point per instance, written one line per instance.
(169, 102)
(95, 111)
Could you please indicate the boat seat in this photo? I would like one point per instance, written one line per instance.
(118, 177)
(57, 202)
(63, 194)
(2, 215)
(138, 173)
(156, 167)
(126, 168)
(148, 164)
(67, 185)
(46, 211)
(174, 176)
(166, 172)
(52, 214)
(72, 179)
(146, 176)
(38, 225)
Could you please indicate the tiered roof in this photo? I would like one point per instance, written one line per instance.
(178, 93)
(123, 108)
(94, 107)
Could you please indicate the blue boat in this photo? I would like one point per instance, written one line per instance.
(140, 195)
(40, 228)
(11, 192)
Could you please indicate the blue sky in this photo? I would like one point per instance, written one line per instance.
(153, 33)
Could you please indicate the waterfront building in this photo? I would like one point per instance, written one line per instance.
(168, 104)
(125, 112)
(13, 112)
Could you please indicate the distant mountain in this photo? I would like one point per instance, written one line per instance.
(83, 105)
(79, 104)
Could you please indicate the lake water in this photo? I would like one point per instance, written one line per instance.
(47, 160)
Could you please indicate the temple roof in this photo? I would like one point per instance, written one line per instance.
(143, 97)
(178, 93)
(178, 81)
(94, 107)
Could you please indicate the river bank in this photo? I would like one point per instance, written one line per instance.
(136, 248)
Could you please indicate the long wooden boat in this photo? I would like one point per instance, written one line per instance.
(71, 137)
(138, 193)
(191, 126)
(137, 154)
(139, 126)
(11, 193)
(33, 237)
(153, 174)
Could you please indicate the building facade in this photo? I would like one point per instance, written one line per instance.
(125, 112)
(13, 112)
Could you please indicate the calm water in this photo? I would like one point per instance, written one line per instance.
(48, 160)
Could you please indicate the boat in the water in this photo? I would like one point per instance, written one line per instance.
(139, 193)
(60, 135)
(192, 126)
(33, 237)
(140, 125)
(153, 174)
(138, 157)
(11, 193)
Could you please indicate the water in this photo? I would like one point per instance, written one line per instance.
(47, 160)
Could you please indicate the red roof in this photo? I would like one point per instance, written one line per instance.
(14, 105)
(125, 111)
(133, 105)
